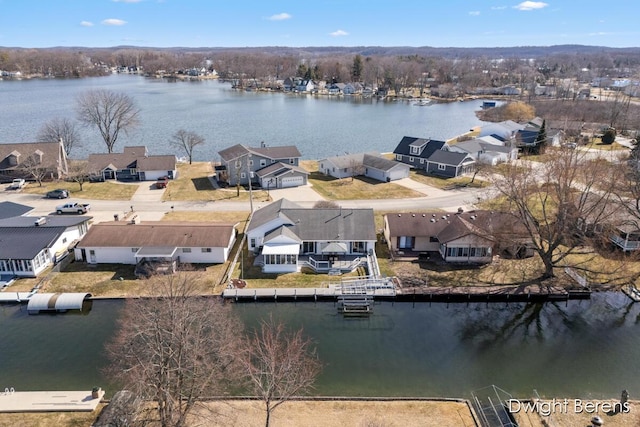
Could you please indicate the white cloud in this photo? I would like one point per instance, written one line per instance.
(339, 33)
(113, 21)
(474, 13)
(279, 17)
(530, 5)
(86, 23)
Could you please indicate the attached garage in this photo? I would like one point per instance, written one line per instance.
(291, 181)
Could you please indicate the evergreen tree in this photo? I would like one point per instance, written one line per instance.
(356, 69)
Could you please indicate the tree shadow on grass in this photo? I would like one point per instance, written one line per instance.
(202, 184)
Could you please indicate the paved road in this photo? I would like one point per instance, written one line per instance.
(148, 205)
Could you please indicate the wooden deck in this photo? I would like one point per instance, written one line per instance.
(48, 401)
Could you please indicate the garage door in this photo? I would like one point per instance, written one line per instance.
(292, 181)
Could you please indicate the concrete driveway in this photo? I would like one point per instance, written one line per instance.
(303, 193)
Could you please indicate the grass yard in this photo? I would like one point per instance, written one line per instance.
(359, 188)
(446, 183)
(109, 190)
(193, 184)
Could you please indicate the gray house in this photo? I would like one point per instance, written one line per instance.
(449, 164)
(286, 237)
(416, 151)
(276, 167)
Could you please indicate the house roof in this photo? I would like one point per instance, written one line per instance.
(404, 146)
(11, 209)
(132, 157)
(278, 169)
(314, 224)
(448, 158)
(50, 221)
(51, 152)
(451, 226)
(503, 130)
(238, 150)
(381, 163)
(346, 160)
(158, 234)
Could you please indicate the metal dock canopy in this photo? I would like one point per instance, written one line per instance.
(57, 302)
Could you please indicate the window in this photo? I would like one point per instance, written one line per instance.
(238, 164)
(250, 162)
(206, 250)
(308, 247)
(415, 150)
(134, 250)
(92, 252)
(399, 157)
(433, 239)
(64, 240)
(243, 175)
(263, 162)
(273, 161)
(411, 159)
(252, 243)
(422, 161)
(186, 250)
(292, 161)
(442, 167)
(358, 247)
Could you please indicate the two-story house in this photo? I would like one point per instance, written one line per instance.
(269, 167)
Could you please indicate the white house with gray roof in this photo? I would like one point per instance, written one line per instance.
(371, 165)
(30, 244)
(285, 237)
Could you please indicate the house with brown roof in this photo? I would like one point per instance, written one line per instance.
(461, 237)
(17, 159)
(269, 167)
(133, 242)
(133, 164)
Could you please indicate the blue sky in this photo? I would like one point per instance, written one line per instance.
(215, 23)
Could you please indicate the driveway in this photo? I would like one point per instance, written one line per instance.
(147, 192)
(303, 193)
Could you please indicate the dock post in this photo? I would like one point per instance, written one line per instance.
(275, 294)
(295, 294)
(315, 294)
(255, 294)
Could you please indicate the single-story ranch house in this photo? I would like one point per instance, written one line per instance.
(30, 244)
(286, 237)
(371, 165)
(462, 237)
(133, 164)
(132, 242)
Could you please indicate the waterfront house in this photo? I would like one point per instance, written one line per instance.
(161, 243)
(485, 152)
(239, 164)
(416, 151)
(370, 165)
(48, 158)
(286, 237)
(461, 237)
(30, 244)
(449, 164)
(133, 164)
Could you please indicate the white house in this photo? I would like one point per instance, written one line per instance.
(371, 165)
(120, 242)
(285, 237)
(30, 244)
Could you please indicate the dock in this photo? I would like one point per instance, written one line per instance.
(49, 401)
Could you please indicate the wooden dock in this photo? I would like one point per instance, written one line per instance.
(49, 401)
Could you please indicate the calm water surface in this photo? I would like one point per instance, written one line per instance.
(319, 126)
(586, 349)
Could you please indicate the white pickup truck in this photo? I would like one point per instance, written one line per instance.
(73, 207)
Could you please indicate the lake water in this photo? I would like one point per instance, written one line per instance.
(319, 126)
(582, 349)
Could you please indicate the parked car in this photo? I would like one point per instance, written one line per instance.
(162, 182)
(58, 193)
(17, 184)
(73, 207)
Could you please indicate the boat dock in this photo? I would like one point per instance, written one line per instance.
(49, 401)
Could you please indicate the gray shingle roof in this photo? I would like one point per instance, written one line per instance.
(380, 163)
(26, 242)
(448, 157)
(404, 146)
(11, 209)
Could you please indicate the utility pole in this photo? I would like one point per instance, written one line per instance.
(250, 189)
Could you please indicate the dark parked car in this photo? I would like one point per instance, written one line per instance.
(58, 194)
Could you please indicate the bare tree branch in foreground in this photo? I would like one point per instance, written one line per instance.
(279, 365)
(175, 349)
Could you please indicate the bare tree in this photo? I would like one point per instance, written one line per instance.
(78, 172)
(187, 141)
(175, 349)
(60, 129)
(554, 200)
(111, 112)
(279, 365)
(33, 168)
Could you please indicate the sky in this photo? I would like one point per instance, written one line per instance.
(299, 23)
